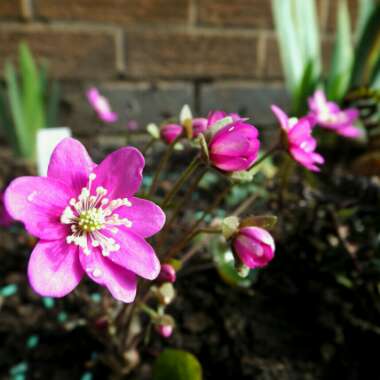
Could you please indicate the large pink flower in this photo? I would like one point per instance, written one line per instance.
(301, 144)
(88, 221)
(234, 147)
(329, 115)
(254, 246)
(101, 106)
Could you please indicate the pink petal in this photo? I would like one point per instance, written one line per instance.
(282, 117)
(259, 234)
(146, 217)
(38, 202)
(214, 116)
(54, 269)
(230, 164)
(199, 125)
(120, 172)
(71, 164)
(120, 282)
(135, 254)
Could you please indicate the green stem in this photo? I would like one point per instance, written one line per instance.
(148, 310)
(161, 166)
(189, 192)
(181, 180)
(148, 145)
(189, 235)
(265, 156)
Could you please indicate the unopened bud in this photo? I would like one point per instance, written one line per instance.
(167, 273)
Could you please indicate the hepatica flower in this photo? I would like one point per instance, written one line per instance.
(329, 115)
(300, 143)
(101, 106)
(170, 132)
(254, 246)
(88, 221)
(234, 147)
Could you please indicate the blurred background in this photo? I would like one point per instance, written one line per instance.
(152, 56)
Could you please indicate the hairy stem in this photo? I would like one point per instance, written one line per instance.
(164, 160)
(195, 163)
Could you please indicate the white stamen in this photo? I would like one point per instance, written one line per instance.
(92, 219)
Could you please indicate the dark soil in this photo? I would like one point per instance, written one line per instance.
(312, 314)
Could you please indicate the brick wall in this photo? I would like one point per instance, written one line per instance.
(151, 56)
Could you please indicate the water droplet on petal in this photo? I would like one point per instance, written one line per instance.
(31, 196)
(97, 272)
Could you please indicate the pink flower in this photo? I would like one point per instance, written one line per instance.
(165, 330)
(234, 147)
(170, 132)
(329, 115)
(167, 273)
(5, 219)
(88, 221)
(200, 125)
(301, 144)
(101, 106)
(254, 246)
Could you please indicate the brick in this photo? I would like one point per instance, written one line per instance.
(333, 7)
(248, 99)
(142, 102)
(10, 9)
(70, 53)
(272, 65)
(240, 13)
(185, 54)
(115, 11)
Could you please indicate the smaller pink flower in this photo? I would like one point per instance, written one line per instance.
(170, 132)
(165, 330)
(101, 106)
(301, 144)
(167, 273)
(5, 219)
(330, 116)
(254, 246)
(234, 147)
(199, 125)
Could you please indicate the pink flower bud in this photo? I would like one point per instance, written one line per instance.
(199, 125)
(101, 106)
(254, 246)
(234, 147)
(170, 132)
(165, 330)
(167, 274)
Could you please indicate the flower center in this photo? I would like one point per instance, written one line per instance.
(93, 219)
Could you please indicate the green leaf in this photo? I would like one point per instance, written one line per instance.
(306, 87)
(17, 112)
(290, 50)
(263, 221)
(177, 365)
(375, 75)
(6, 123)
(32, 98)
(307, 30)
(366, 7)
(225, 265)
(367, 49)
(52, 105)
(342, 59)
